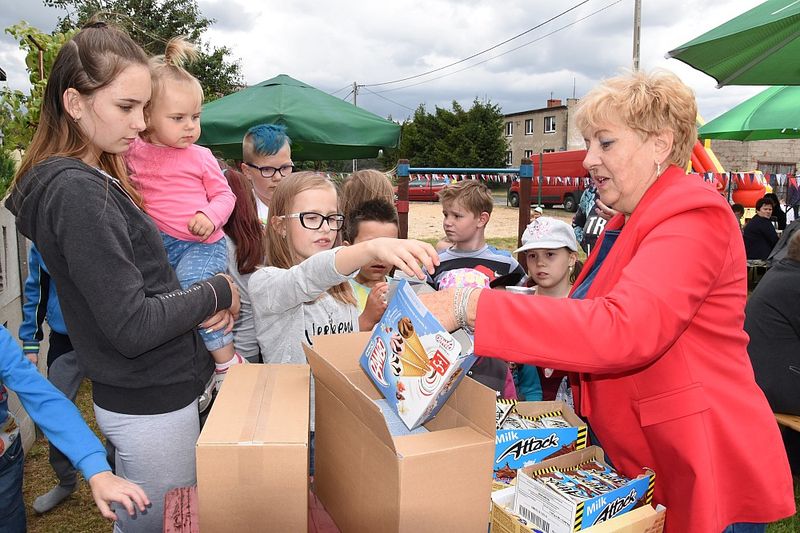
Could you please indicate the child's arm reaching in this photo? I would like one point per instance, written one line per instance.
(405, 254)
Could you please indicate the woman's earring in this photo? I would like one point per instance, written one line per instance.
(658, 169)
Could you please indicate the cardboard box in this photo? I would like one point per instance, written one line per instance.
(542, 506)
(517, 448)
(412, 359)
(370, 481)
(252, 455)
(641, 520)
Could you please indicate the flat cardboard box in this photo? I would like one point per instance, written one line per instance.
(536, 502)
(370, 481)
(517, 448)
(252, 455)
(641, 520)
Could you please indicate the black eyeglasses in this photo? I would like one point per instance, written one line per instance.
(312, 220)
(268, 172)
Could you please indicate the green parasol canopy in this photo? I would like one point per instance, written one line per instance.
(759, 47)
(321, 126)
(771, 114)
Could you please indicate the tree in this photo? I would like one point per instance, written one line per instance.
(152, 23)
(19, 112)
(458, 138)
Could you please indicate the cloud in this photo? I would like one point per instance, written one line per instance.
(332, 44)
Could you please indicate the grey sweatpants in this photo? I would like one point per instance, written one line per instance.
(65, 375)
(157, 453)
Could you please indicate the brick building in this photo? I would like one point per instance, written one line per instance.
(771, 157)
(547, 129)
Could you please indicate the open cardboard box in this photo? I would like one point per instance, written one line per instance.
(542, 505)
(640, 520)
(252, 455)
(371, 481)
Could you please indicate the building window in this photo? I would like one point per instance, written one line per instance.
(509, 129)
(777, 168)
(509, 158)
(549, 124)
(528, 153)
(528, 126)
(548, 150)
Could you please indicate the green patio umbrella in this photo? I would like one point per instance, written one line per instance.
(321, 126)
(771, 114)
(759, 47)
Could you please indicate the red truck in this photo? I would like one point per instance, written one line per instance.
(565, 184)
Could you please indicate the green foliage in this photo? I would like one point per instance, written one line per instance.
(7, 170)
(454, 138)
(152, 23)
(19, 112)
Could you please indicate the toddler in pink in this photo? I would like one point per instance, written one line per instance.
(183, 187)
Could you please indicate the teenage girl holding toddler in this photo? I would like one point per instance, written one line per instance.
(183, 187)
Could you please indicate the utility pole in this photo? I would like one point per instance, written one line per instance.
(355, 103)
(637, 24)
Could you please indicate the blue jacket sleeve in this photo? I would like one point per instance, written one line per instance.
(58, 418)
(34, 310)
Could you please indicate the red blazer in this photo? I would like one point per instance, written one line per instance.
(666, 381)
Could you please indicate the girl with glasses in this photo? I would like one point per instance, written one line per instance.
(183, 187)
(305, 290)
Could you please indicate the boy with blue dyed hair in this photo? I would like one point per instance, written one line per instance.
(267, 158)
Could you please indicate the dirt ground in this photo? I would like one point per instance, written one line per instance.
(425, 220)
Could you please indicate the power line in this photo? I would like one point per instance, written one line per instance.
(482, 52)
(504, 53)
(340, 90)
(387, 99)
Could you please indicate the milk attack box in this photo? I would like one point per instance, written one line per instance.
(530, 432)
(413, 360)
(577, 491)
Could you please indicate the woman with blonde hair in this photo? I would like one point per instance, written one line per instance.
(654, 322)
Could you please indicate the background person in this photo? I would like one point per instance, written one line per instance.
(759, 233)
(665, 377)
(267, 160)
(778, 214)
(247, 251)
(131, 323)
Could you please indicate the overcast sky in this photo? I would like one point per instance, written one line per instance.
(332, 43)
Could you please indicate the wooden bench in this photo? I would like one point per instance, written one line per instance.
(790, 421)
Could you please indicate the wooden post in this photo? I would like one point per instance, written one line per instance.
(525, 179)
(402, 197)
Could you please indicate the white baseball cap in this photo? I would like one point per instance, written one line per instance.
(548, 233)
(538, 209)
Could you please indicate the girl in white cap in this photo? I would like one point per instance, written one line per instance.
(551, 256)
(551, 260)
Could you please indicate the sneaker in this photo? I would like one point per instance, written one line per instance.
(222, 370)
(208, 394)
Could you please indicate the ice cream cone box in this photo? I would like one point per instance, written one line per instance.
(412, 359)
(520, 446)
(643, 519)
(252, 455)
(572, 492)
(368, 480)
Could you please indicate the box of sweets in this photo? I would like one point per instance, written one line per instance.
(643, 519)
(530, 432)
(578, 490)
(413, 360)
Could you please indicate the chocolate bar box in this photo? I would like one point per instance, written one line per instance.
(530, 432)
(413, 360)
(577, 491)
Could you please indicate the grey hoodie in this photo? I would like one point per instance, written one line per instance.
(131, 324)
